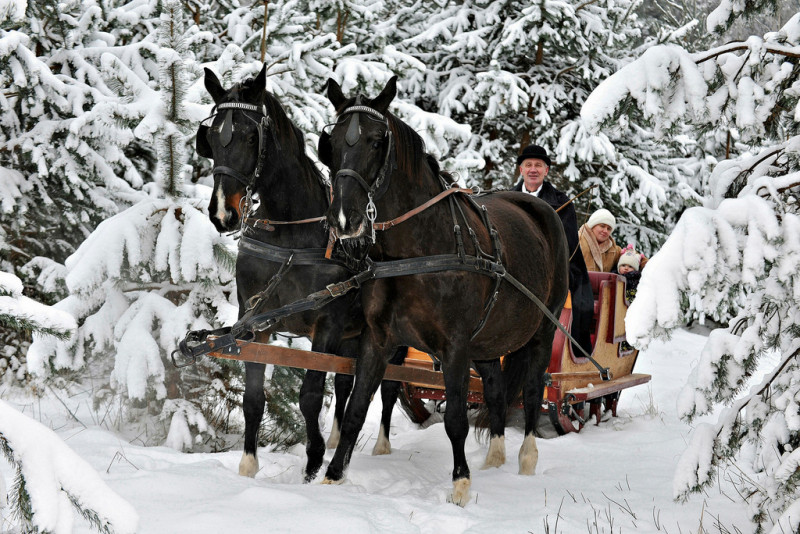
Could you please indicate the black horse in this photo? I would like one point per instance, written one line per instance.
(380, 171)
(256, 148)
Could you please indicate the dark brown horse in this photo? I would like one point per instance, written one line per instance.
(380, 171)
(257, 148)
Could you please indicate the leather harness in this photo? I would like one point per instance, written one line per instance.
(196, 343)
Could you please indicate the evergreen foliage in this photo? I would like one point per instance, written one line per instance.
(50, 481)
(735, 258)
(102, 196)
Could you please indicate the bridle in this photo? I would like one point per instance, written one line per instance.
(226, 135)
(353, 134)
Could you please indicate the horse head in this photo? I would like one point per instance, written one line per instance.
(359, 150)
(237, 140)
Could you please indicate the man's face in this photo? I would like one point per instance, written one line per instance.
(533, 172)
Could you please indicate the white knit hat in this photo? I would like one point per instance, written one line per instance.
(602, 216)
(629, 257)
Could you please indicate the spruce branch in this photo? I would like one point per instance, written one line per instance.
(734, 47)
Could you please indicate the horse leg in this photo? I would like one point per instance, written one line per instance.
(456, 424)
(311, 393)
(342, 386)
(494, 394)
(539, 348)
(369, 371)
(390, 391)
(253, 407)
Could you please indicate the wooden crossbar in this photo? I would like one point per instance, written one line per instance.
(320, 361)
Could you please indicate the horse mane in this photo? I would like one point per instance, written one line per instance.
(288, 134)
(412, 159)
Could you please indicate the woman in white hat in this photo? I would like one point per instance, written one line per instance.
(600, 252)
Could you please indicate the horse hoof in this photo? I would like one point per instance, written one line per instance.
(248, 465)
(460, 494)
(382, 446)
(327, 480)
(528, 456)
(497, 453)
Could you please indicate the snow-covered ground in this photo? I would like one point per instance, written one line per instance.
(616, 477)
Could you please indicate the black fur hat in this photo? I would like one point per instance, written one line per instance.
(533, 151)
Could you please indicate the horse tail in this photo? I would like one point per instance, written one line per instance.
(516, 367)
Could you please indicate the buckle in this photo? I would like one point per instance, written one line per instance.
(339, 289)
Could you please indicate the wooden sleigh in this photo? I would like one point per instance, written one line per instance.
(576, 390)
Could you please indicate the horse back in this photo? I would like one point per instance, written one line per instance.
(533, 244)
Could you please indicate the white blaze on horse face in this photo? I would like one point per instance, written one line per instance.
(221, 209)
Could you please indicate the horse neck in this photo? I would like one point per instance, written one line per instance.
(291, 191)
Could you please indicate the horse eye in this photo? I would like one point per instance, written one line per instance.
(376, 144)
(251, 139)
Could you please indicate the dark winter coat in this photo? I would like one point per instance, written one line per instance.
(579, 285)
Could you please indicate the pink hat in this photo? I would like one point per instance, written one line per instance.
(630, 258)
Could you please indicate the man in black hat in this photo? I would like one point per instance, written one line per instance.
(534, 164)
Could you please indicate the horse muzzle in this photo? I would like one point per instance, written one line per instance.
(346, 226)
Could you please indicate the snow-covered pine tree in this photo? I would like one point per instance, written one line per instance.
(20, 314)
(518, 73)
(51, 482)
(740, 250)
(511, 70)
(156, 270)
(55, 130)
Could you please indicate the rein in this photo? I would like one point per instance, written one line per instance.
(419, 209)
(269, 224)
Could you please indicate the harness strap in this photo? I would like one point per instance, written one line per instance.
(300, 256)
(256, 299)
(192, 346)
(605, 372)
(397, 220)
(268, 224)
(221, 169)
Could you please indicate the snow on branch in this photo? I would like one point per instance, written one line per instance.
(664, 82)
(710, 257)
(22, 313)
(53, 480)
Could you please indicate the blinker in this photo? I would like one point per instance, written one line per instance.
(354, 128)
(226, 134)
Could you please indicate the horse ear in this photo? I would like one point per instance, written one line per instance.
(335, 94)
(261, 79)
(324, 149)
(382, 101)
(201, 143)
(213, 86)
